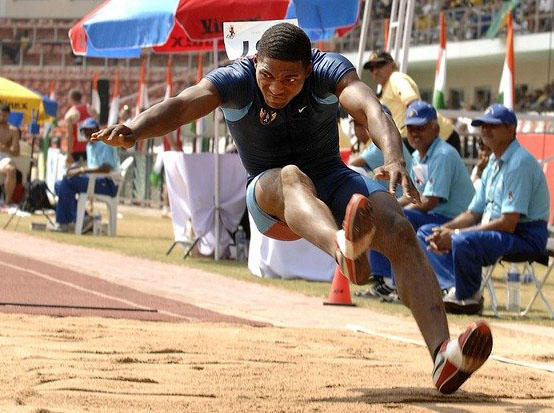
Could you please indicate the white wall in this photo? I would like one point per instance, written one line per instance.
(61, 9)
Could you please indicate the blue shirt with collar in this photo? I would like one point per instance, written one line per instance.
(441, 173)
(515, 183)
(98, 154)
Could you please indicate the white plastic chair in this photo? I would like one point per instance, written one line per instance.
(110, 201)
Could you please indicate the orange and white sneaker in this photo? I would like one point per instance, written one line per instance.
(457, 359)
(354, 240)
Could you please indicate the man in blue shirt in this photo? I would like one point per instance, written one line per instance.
(372, 158)
(101, 158)
(507, 215)
(440, 177)
(280, 107)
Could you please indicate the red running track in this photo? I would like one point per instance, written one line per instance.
(29, 286)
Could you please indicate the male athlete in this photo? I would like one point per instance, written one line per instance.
(280, 107)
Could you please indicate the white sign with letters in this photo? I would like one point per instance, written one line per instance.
(241, 38)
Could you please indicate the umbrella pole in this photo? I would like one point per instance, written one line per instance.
(216, 167)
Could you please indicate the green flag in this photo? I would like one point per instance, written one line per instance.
(500, 18)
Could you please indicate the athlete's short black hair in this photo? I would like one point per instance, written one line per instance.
(287, 42)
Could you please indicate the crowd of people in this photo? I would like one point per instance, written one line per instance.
(536, 100)
(468, 19)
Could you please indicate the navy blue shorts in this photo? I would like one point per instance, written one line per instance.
(335, 189)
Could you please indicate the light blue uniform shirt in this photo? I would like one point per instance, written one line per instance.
(373, 157)
(98, 154)
(441, 173)
(515, 183)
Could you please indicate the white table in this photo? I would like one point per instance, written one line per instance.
(271, 258)
(191, 190)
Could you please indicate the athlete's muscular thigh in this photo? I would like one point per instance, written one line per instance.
(276, 184)
(269, 193)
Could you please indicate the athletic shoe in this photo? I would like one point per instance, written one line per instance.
(56, 227)
(368, 292)
(383, 291)
(354, 240)
(357, 271)
(458, 359)
(471, 305)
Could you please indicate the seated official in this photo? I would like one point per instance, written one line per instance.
(441, 178)
(372, 157)
(507, 215)
(101, 158)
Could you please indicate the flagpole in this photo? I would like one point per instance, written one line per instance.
(506, 91)
(440, 70)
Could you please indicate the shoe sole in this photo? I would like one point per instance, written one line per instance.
(358, 217)
(358, 227)
(476, 346)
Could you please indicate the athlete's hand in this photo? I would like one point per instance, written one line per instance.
(116, 135)
(397, 174)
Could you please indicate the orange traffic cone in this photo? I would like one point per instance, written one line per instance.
(339, 294)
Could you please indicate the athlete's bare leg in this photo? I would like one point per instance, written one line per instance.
(289, 195)
(416, 282)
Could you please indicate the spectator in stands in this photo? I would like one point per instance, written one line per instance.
(507, 215)
(398, 91)
(74, 117)
(9, 147)
(442, 180)
(100, 158)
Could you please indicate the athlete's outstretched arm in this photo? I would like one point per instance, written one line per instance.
(364, 107)
(192, 103)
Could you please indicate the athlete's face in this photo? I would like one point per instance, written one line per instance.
(280, 81)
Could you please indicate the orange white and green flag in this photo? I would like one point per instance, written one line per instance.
(143, 102)
(440, 71)
(506, 94)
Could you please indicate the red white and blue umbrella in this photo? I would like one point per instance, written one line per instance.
(121, 28)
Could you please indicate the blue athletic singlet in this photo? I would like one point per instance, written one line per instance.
(303, 133)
